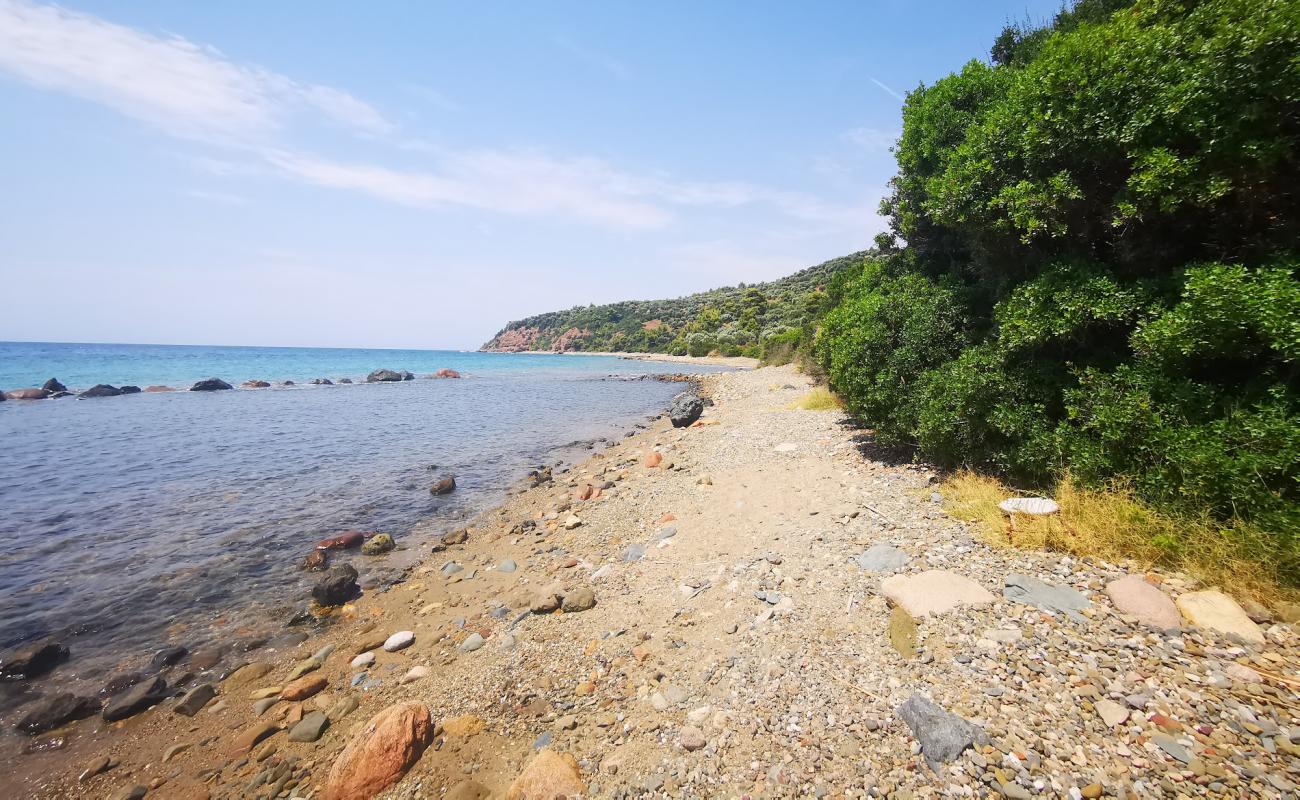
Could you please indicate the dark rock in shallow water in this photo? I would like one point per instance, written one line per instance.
(27, 394)
(685, 409)
(943, 736)
(444, 485)
(316, 561)
(129, 389)
(255, 384)
(53, 385)
(32, 662)
(337, 587)
(383, 376)
(345, 380)
(101, 390)
(56, 711)
(407, 375)
(168, 656)
(120, 683)
(207, 658)
(210, 385)
(321, 382)
(140, 697)
(288, 383)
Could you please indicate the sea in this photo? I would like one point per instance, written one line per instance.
(130, 523)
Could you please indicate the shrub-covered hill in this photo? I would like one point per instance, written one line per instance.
(734, 320)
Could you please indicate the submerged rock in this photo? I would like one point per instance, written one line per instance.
(446, 373)
(140, 697)
(128, 389)
(56, 711)
(685, 409)
(383, 376)
(444, 485)
(316, 561)
(343, 541)
(101, 390)
(33, 661)
(337, 587)
(255, 384)
(210, 385)
(379, 544)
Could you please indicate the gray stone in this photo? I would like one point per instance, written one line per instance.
(1172, 747)
(685, 409)
(143, 695)
(342, 707)
(634, 552)
(507, 566)
(58, 710)
(1045, 596)
(310, 727)
(943, 736)
(882, 558)
(195, 699)
(472, 642)
(450, 568)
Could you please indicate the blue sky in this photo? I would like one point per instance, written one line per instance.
(416, 174)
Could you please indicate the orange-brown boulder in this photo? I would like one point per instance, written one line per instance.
(548, 776)
(652, 459)
(304, 687)
(381, 753)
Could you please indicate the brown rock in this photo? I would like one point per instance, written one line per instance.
(444, 485)
(344, 541)
(544, 603)
(467, 790)
(548, 776)
(457, 536)
(316, 561)
(652, 459)
(379, 755)
(446, 373)
(584, 492)
(158, 388)
(250, 738)
(464, 726)
(27, 394)
(304, 687)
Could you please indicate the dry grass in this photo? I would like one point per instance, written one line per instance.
(819, 399)
(1114, 524)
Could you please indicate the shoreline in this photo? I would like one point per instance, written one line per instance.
(733, 641)
(736, 362)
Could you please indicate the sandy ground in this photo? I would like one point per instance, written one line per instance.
(737, 362)
(736, 648)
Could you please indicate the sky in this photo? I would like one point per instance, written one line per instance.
(416, 174)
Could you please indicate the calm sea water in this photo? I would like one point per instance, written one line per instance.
(134, 521)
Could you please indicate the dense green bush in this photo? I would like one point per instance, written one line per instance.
(1091, 269)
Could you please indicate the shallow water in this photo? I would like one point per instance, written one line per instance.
(121, 517)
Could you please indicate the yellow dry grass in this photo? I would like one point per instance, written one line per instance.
(1113, 524)
(818, 399)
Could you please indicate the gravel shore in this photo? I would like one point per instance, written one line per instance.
(757, 605)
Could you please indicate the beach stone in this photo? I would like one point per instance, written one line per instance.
(1032, 506)
(302, 668)
(652, 459)
(472, 642)
(175, 750)
(260, 707)
(547, 776)
(1045, 596)
(100, 390)
(132, 793)
(26, 394)
(168, 656)
(1111, 713)
(902, 632)
(304, 687)
(881, 558)
(57, 711)
(464, 726)
(383, 376)
(95, 766)
(450, 568)
(379, 544)
(247, 674)
(380, 754)
(685, 409)
(1216, 611)
(337, 587)
(33, 661)
(634, 553)
(342, 707)
(1172, 747)
(362, 661)
(310, 728)
(943, 736)
(580, 599)
(934, 591)
(691, 738)
(210, 385)
(399, 641)
(253, 736)
(344, 541)
(467, 790)
(193, 701)
(507, 566)
(444, 485)
(142, 696)
(458, 536)
(207, 658)
(1136, 596)
(414, 674)
(544, 603)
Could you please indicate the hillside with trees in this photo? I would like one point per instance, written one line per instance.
(735, 320)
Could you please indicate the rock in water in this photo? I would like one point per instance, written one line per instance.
(337, 587)
(1134, 595)
(381, 753)
(383, 376)
(943, 736)
(168, 656)
(882, 558)
(934, 591)
(444, 485)
(101, 390)
(32, 662)
(27, 394)
(1049, 598)
(379, 544)
(128, 389)
(53, 385)
(315, 561)
(143, 695)
(343, 541)
(1218, 612)
(446, 373)
(210, 385)
(685, 409)
(58, 710)
(549, 775)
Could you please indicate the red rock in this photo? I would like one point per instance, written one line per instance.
(667, 518)
(304, 687)
(597, 492)
(584, 492)
(446, 373)
(652, 459)
(381, 753)
(27, 394)
(548, 776)
(158, 388)
(344, 541)
(316, 561)
(249, 739)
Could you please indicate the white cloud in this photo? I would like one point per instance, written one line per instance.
(187, 89)
(592, 57)
(873, 140)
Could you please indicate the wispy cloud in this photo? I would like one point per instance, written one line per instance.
(225, 198)
(592, 57)
(185, 88)
(886, 89)
(873, 140)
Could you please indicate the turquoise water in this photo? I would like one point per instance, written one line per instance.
(123, 517)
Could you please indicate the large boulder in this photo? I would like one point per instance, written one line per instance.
(142, 696)
(685, 409)
(1217, 611)
(128, 389)
(101, 390)
(407, 375)
(547, 776)
(33, 661)
(337, 587)
(210, 385)
(384, 376)
(53, 385)
(57, 711)
(380, 753)
(27, 394)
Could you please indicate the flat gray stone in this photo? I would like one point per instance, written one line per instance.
(310, 727)
(1172, 748)
(472, 642)
(1045, 596)
(943, 736)
(507, 566)
(195, 699)
(634, 552)
(882, 558)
